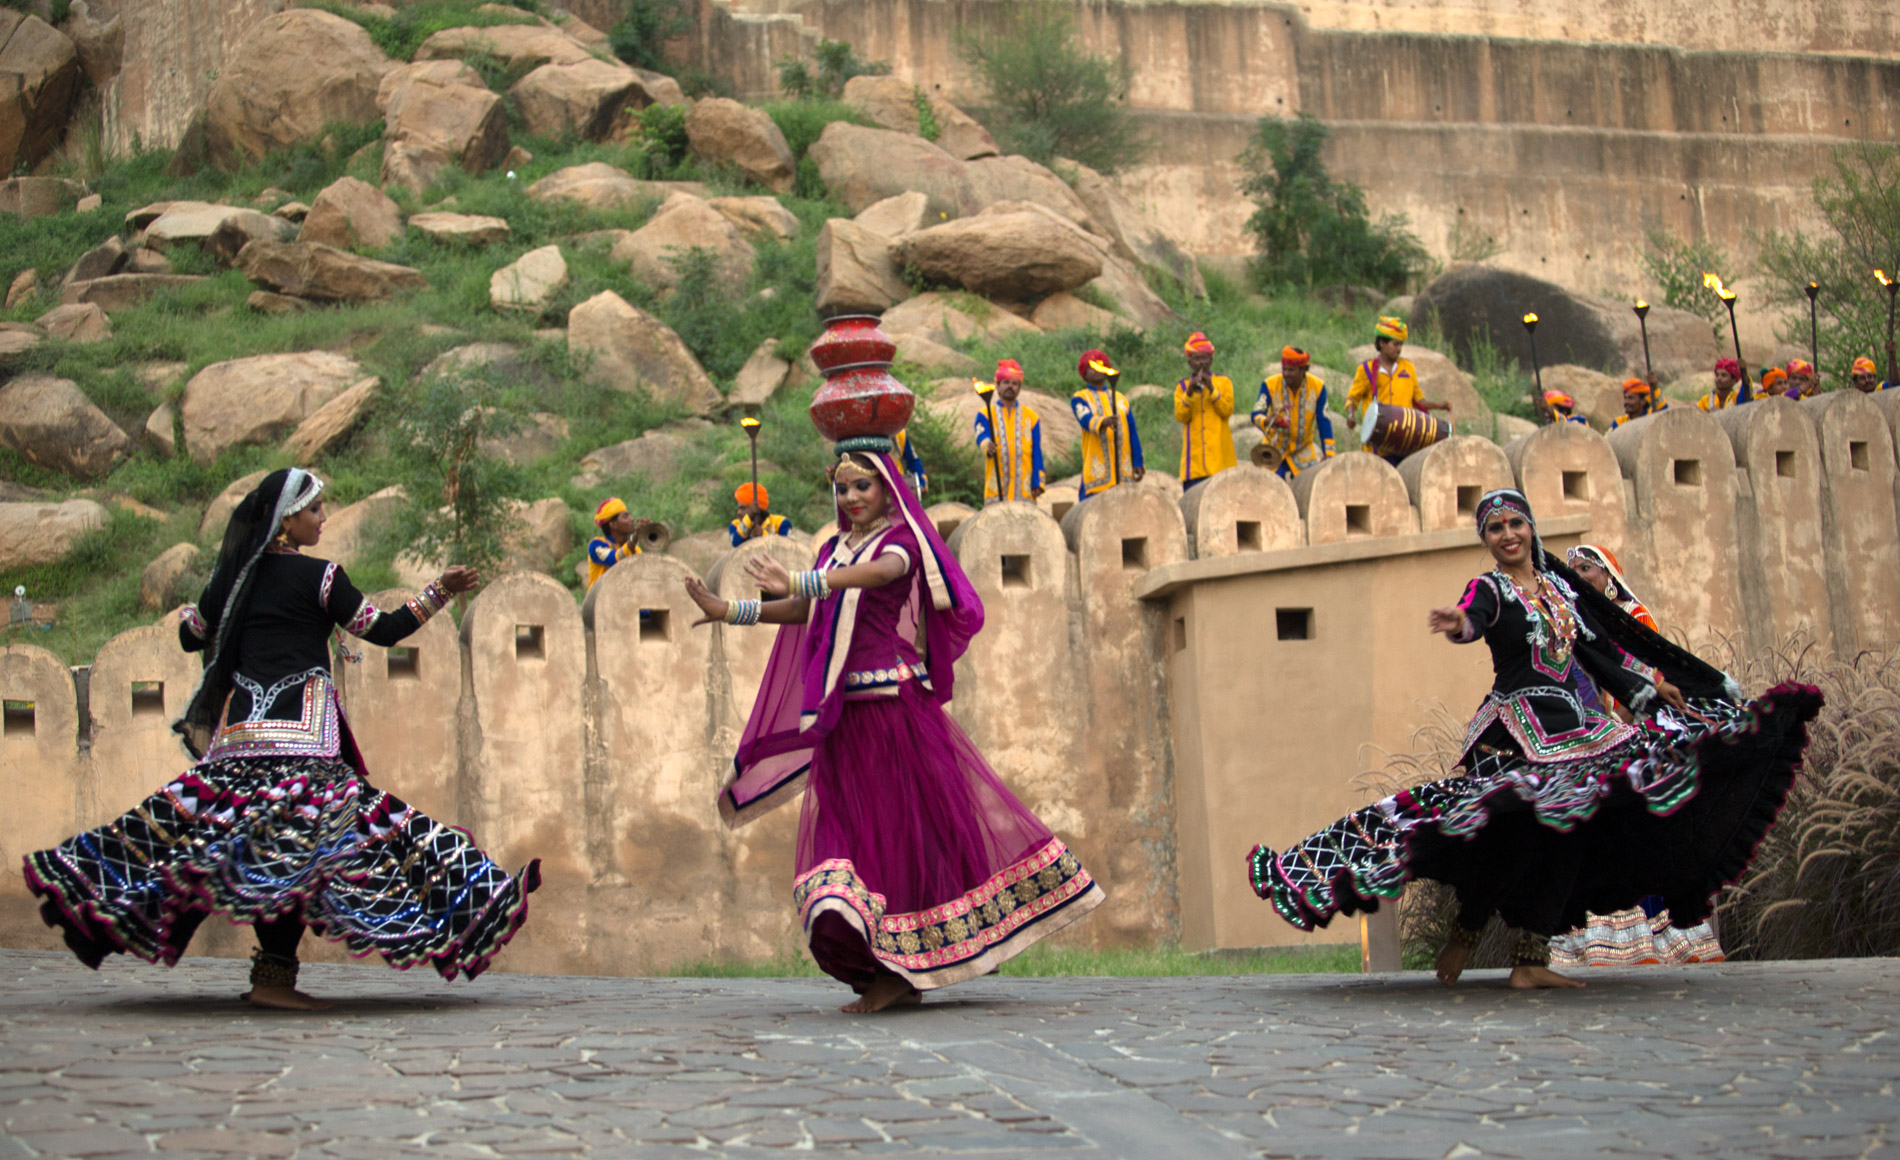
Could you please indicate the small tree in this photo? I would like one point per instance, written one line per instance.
(1048, 96)
(1677, 268)
(1860, 202)
(459, 508)
(640, 37)
(837, 62)
(1313, 229)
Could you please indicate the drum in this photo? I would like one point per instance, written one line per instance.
(1396, 432)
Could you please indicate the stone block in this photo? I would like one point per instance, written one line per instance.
(1353, 496)
(1242, 509)
(1567, 469)
(402, 701)
(1446, 480)
(1863, 542)
(1682, 467)
(1779, 521)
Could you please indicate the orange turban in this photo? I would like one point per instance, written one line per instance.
(1635, 387)
(745, 492)
(1864, 366)
(610, 507)
(1800, 366)
(1009, 368)
(1559, 399)
(1775, 375)
(1198, 343)
(1293, 356)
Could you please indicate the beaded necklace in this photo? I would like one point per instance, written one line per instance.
(1556, 614)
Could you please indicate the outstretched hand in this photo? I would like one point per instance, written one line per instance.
(458, 579)
(1671, 696)
(770, 575)
(1448, 620)
(713, 608)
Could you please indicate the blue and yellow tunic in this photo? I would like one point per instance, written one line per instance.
(603, 553)
(1108, 428)
(1658, 405)
(1307, 438)
(1018, 460)
(913, 463)
(772, 525)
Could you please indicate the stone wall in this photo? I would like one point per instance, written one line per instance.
(1165, 680)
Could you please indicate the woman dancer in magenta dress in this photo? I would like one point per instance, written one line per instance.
(917, 868)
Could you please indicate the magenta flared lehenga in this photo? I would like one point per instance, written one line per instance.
(914, 858)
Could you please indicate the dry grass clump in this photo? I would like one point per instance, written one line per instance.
(1825, 882)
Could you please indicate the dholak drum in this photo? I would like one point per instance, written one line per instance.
(1396, 432)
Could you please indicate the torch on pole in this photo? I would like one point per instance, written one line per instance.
(1728, 299)
(1814, 331)
(984, 391)
(1642, 323)
(1537, 371)
(751, 427)
(1892, 288)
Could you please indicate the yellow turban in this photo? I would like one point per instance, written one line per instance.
(1392, 328)
(608, 509)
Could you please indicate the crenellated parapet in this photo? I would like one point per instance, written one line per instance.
(1165, 679)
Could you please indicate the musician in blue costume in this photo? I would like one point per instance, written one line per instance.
(1559, 808)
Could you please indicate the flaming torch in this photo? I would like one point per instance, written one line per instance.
(751, 427)
(1642, 323)
(1537, 372)
(1728, 299)
(1892, 288)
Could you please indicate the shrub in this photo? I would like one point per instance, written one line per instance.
(401, 34)
(1677, 268)
(640, 37)
(1313, 229)
(1048, 96)
(657, 145)
(1859, 200)
(458, 509)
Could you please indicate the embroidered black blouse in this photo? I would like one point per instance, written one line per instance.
(1548, 659)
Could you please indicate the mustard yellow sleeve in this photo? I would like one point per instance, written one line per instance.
(1360, 392)
(1223, 399)
(1183, 406)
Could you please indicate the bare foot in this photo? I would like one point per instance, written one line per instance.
(1533, 978)
(1451, 961)
(885, 991)
(283, 999)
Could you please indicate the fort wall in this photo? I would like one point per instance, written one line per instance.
(1162, 700)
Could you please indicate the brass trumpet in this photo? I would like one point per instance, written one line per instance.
(655, 537)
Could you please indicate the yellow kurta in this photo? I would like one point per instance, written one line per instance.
(1396, 388)
(1303, 442)
(1018, 453)
(603, 553)
(1207, 442)
(1102, 418)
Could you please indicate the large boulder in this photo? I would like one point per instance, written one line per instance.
(428, 72)
(165, 582)
(216, 228)
(76, 322)
(952, 318)
(44, 532)
(543, 532)
(41, 75)
(1064, 311)
(1438, 377)
(654, 457)
(759, 218)
(292, 76)
(33, 197)
(521, 46)
(325, 273)
(438, 114)
(654, 251)
(329, 424)
(584, 97)
(633, 351)
(352, 214)
(499, 362)
(896, 215)
(863, 166)
(1011, 256)
(17, 340)
(540, 435)
(99, 37)
(1135, 235)
(598, 185)
(105, 259)
(50, 422)
(218, 511)
(1470, 300)
(119, 291)
(1000, 179)
(856, 272)
(760, 378)
(721, 131)
(260, 399)
(467, 229)
(352, 529)
(891, 102)
(1121, 283)
(1599, 396)
(530, 282)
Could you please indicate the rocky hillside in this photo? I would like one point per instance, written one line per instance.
(618, 269)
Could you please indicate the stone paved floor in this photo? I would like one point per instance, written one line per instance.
(1740, 1060)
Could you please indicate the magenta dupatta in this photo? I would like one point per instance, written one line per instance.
(801, 696)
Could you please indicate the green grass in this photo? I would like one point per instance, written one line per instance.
(1046, 961)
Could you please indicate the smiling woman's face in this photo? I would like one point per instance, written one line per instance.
(1508, 535)
(862, 497)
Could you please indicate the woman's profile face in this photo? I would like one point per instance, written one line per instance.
(1595, 575)
(306, 527)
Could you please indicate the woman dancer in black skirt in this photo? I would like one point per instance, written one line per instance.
(1562, 809)
(277, 825)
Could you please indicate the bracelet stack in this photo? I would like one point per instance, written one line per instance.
(743, 611)
(810, 585)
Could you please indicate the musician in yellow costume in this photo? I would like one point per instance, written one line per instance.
(1639, 401)
(1203, 402)
(1012, 460)
(618, 539)
(1291, 414)
(1111, 447)
(1388, 378)
(755, 519)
